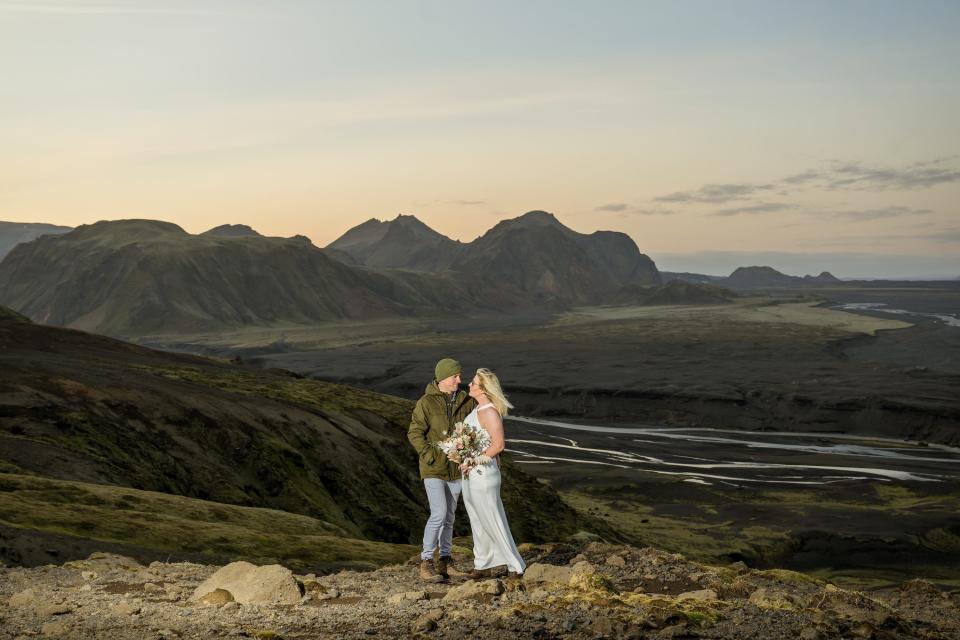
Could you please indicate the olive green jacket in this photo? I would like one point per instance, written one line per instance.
(432, 421)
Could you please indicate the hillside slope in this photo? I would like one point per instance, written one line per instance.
(81, 407)
(135, 277)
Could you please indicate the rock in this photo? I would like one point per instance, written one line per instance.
(701, 595)
(54, 610)
(474, 590)
(771, 599)
(675, 631)
(25, 598)
(124, 608)
(584, 536)
(539, 573)
(250, 584)
(584, 575)
(217, 597)
(920, 586)
(86, 587)
(428, 621)
(55, 629)
(810, 633)
(407, 596)
(616, 561)
(578, 558)
(150, 587)
(230, 606)
(89, 575)
(313, 587)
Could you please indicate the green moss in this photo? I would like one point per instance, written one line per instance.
(784, 575)
(177, 524)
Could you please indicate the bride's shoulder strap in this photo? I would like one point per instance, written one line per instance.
(489, 405)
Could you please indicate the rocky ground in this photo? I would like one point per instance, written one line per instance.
(589, 590)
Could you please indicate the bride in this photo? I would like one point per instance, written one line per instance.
(493, 545)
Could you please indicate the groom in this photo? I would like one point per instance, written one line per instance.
(443, 405)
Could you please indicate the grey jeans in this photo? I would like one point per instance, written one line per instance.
(443, 496)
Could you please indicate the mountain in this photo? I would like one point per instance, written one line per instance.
(14, 233)
(78, 407)
(232, 231)
(534, 259)
(136, 277)
(674, 292)
(825, 277)
(667, 276)
(402, 243)
(527, 261)
(751, 277)
(759, 277)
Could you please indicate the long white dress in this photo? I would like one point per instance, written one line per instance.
(493, 544)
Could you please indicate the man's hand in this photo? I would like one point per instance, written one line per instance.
(453, 457)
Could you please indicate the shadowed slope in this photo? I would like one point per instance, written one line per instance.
(404, 243)
(14, 233)
(134, 277)
(87, 408)
(536, 258)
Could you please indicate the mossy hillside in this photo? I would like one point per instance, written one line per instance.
(802, 529)
(175, 524)
(87, 408)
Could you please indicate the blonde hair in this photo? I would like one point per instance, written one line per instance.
(490, 384)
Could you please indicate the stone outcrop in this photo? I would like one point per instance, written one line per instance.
(569, 591)
(249, 584)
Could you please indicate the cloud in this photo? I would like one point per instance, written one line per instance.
(614, 207)
(921, 175)
(467, 203)
(839, 176)
(802, 178)
(945, 235)
(100, 8)
(763, 207)
(628, 209)
(716, 193)
(881, 213)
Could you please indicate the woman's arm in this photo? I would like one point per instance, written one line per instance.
(493, 423)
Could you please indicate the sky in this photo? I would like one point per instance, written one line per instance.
(818, 135)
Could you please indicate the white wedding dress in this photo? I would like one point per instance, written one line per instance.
(493, 544)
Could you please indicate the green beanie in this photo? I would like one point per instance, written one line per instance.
(446, 368)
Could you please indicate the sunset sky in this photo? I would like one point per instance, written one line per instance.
(714, 133)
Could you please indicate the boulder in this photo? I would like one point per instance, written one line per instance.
(772, 599)
(539, 573)
(54, 629)
(250, 584)
(616, 561)
(584, 575)
(217, 597)
(25, 598)
(54, 610)
(701, 595)
(124, 608)
(428, 621)
(474, 590)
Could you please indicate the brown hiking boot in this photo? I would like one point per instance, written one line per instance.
(447, 569)
(480, 574)
(428, 573)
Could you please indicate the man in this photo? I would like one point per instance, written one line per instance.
(443, 405)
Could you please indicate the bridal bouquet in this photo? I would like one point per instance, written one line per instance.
(466, 444)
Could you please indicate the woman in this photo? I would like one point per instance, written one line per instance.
(493, 544)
